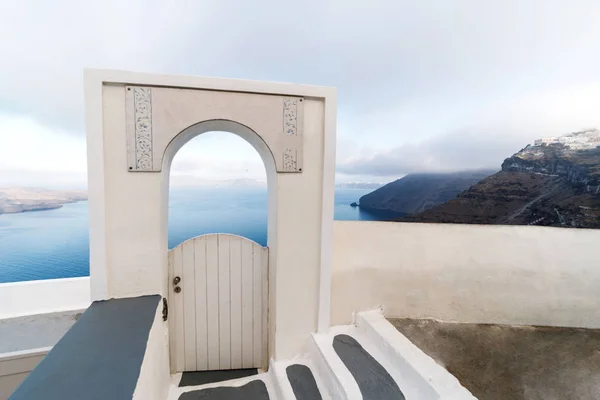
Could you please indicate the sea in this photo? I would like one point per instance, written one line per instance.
(54, 244)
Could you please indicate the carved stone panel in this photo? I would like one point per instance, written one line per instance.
(290, 116)
(291, 141)
(139, 129)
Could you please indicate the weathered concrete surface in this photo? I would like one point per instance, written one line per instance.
(498, 362)
(35, 331)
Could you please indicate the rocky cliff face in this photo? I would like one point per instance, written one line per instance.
(576, 166)
(418, 192)
(539, 185)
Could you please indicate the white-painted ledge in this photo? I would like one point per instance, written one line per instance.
(19, 299)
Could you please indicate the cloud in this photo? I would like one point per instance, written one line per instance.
(43, 179)
(218, 155)
(381, 54)
(454, 152)
(485, 141)
(408, 73)
(32, 154)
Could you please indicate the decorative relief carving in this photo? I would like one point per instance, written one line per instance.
(290, 146)
(290, 163)
(290, 116)
(142, 99)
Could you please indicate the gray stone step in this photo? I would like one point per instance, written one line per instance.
(374, 381)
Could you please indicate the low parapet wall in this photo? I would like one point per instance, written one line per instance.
(519, 275)
(15, 366)
(116, 350)
(45, 296)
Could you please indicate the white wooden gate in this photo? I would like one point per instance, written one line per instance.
(218, 294)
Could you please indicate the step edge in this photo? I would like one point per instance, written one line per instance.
(281, 383)
(333, 373)
(392, 343)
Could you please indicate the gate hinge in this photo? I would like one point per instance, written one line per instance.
(165, 309)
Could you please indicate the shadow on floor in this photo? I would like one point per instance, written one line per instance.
(204, 377)
(498, 362)
(255, 390)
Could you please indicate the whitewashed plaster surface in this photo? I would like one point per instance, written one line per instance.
(128, 210)
(45, 296)
(154, 379)
(520, 275)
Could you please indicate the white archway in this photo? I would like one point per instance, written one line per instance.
(135, 125)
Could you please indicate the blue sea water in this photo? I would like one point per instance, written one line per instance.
(55, 243)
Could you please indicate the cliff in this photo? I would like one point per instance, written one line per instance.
(576, 166)
(17, 200)
(539, 185)
(418, 192)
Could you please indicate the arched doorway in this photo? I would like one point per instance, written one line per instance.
(219, 286)
(137, 122)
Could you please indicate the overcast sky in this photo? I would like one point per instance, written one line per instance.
(422, 85)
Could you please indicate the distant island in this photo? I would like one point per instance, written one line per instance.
(18, 200)
(553, 182)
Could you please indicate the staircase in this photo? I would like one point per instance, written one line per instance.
(367, 360)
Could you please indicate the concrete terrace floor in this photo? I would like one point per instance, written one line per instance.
(499, 362)
(35, 331)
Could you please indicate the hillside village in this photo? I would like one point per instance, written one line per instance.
(583, 140)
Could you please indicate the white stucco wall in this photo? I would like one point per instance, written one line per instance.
(467, 273)
(154, 380)
(45, 296)
(128, 210)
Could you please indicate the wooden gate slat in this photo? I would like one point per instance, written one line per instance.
(212, 296)
(200, 298)
(247, 308)
(224, 303)
(235, 262)
(172, 327)
(265, 307)
(257, 304)
(188, 283)
(178, 311)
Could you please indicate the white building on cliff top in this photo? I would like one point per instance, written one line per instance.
(587, 139)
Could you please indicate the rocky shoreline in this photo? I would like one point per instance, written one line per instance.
(19, 200)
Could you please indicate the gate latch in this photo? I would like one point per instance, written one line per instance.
(176, 281)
